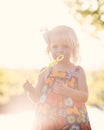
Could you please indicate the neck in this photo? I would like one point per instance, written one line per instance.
(64, 67)
(64, 64)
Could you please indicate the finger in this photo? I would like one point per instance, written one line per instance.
(26, 85)
(59, 82)
(57, 90)
(27, 81)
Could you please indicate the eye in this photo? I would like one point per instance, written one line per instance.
(55, 46)
(65, 46)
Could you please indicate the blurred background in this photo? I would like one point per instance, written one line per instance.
(23, 53)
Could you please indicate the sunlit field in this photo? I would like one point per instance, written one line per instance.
(23, 54)
(26, 120)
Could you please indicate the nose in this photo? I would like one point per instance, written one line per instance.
(60, 49)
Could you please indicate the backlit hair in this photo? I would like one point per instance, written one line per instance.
(67, 34)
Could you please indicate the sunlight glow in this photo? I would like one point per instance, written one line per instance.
(19, 121)
(21, 43)
(26, 120)
(22, 46)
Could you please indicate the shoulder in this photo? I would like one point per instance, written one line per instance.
(43, 72)
(80, 70)
(81, 74)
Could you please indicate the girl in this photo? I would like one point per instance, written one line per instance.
(61, 91)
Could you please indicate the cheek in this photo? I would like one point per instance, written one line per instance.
(67, 53)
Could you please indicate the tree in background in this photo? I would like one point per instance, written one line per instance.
(89, 13)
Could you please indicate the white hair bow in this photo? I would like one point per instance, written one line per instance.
(45, 33)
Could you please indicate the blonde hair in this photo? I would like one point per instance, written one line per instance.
(66, 33)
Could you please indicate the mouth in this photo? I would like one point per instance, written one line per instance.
(60, 57)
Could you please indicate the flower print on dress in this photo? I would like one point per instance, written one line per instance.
(71, 119)
(74, 110)
(53, 114)
(69, 75)
(80, 119)
(52, 99)
(70, 82)
(45, 110)
(72, 73)
(82, 111)
(62, 112)
(69, 102)
(45, 88)
(43, 98)
(60, 124)
(85, 126)
(59, 74)
(75, 127)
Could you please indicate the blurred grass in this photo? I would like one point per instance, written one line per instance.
(95, 81)
(12, 80)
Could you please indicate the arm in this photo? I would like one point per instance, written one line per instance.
(80, 95)
(34, 92)
(82, 86)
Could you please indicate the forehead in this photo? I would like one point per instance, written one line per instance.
(59, 36)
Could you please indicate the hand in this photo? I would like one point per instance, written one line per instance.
(27, 85)
(60, 87)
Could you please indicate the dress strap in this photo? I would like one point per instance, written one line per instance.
(50, 69)
(77, 69)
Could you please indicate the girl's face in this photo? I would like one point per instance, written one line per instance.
(59, 46)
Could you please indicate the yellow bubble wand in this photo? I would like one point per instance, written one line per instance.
(54, 62)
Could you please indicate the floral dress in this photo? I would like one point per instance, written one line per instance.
(60, 112)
